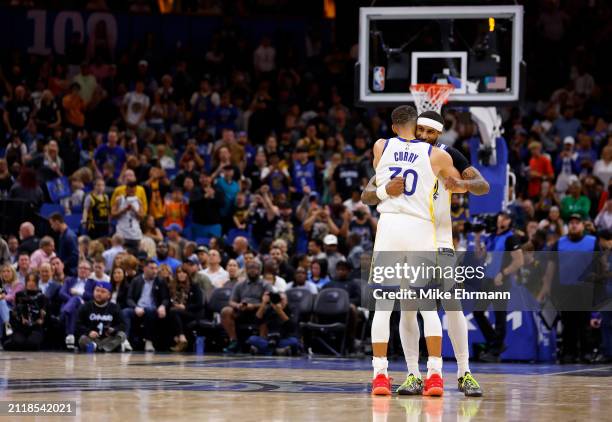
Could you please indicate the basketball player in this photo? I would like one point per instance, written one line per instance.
(406, 224)
(429, 127)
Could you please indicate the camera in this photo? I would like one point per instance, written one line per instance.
(275, 297)
(482, 222)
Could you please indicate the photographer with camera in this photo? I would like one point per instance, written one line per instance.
(498, 271)
(277, 329)
(28, 317)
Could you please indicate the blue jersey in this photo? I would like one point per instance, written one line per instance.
(303, 175)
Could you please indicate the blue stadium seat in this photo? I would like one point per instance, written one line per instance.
(202, 241)
(234, 233)
(47, 209)
(74, 221)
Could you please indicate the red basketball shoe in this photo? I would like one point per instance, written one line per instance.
(381, 385)
(434, 386)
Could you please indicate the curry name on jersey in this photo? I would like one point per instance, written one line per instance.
(409, 160)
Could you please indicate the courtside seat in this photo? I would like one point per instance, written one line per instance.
(329, 320)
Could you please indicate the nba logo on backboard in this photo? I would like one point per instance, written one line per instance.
(379, 78)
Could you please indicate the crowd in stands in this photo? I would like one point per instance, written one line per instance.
(167, 179)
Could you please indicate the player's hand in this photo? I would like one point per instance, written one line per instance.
(452, 183)
(395, 187)
(595, 322)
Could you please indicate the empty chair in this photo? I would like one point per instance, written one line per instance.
(300, 302)
(210, 324)
(329, 320)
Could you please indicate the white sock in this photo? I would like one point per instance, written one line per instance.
(380, 366)
(434, 366)
(458, 333)
(409, 335)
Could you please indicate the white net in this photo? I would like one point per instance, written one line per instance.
(430, 96)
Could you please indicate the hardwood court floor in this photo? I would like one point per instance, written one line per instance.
(216, 388)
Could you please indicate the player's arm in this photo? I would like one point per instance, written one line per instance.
(471, 179)
(442, 166)
(371, 195)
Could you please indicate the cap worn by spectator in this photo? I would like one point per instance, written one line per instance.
(201, 248)
(191, 260)
(575, 216)
(105, 285)
(173, 227)
(569, 140)
(142, 255)
(330, 239)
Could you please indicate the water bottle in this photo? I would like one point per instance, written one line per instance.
(200, 344)
(91, 347)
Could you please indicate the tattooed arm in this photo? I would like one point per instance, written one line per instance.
(472, 180)
(368, 196)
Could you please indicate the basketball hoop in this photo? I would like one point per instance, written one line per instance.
(430, 96)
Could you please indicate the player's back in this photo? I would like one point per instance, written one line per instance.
(409, 159)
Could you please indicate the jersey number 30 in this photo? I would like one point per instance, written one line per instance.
(397, 170)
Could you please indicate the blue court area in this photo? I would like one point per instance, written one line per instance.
(347, 364)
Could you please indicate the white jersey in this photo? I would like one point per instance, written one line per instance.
(442, 213)
(128, 224)
(410, 160)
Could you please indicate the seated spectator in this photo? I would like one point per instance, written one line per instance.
(11, 284)
(315, 249)
(23, 267)
(99, 269)
(318, 273)
(75, 291)
(96, 211)
(74, 203)
(331, 253)
(176, 209)
(240, 246)
(58, 270)
(301, 281)
(68, 247)
(50, 288)
(28, 318)
(186, 304)
(148, 300)
(129, 210)
(215, 272)
(175, 241)
(603, 167)
(191, 265)
(164, 259)
(270, 275)
(120, 286)
(244, 303)
(43, 254)
(27, 188)
(100, 322)
(603, 221)
(285, 270)
(575, 202)
(28, 240)
(150, 230)
(109, 255)
(277, 331)
(233, 272)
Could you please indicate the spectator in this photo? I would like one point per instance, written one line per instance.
(23, 266)
(68, 248)
(5, 307)
(116, 248)
(129, 177)
(315, 249)
(186, 304)
(100, 322)
(74, 107)
(285, 270)
(585, 154)
(206, 209)
(191, 265)
(87, 82)
(244, 303)
(120, 285)
(318, 273)
(164, 259)
(331, 251)
(230, 189)
(28, 318)
(50, 288)
(111, 153)
(99, 269)
(575, 202)
(176, 209)
(129, 210)
(233, 272)
(347, 175)
(540, 169)
(176, 243)
(6, 178)
(215, 272)
(58, 270)
(43, 254)
(603, 221)
(603, 167)
(151, 231)
(148, 300)
(264, 58)
(75, 291)
(13, 248)
(48, 116)
(240, 246)
(566, 125)
(301, 281)
(135, 107)
(18, 111)
(27, 188)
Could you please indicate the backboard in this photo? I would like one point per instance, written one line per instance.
(478, 49)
